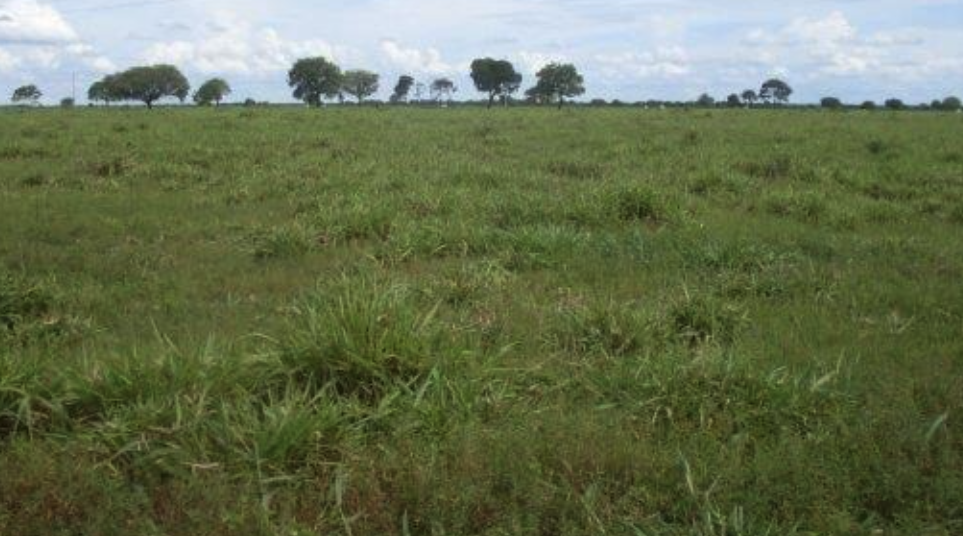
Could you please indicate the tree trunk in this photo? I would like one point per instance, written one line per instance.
(150, 104)
(561, 101)
(491, 100)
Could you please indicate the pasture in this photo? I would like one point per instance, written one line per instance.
(449, 322)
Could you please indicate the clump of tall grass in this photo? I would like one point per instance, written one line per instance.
(30, 311)
(362, 336)
(701, 319)
(606, 329)
(773, 168)
(641, 204)
(805, 206)
(283, 242)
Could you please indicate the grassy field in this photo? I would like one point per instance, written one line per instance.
(454, 322)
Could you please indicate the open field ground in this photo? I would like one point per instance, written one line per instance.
(453, 322)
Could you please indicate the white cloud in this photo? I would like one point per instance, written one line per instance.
(413, 60)
(30, 22)
(233, 46)
(532, 62)
(663, 62)
(8, 62)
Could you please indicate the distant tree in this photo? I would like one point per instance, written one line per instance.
(894, 104)
(705, 101)
(775, 91)
(749, 97)
(951, 104)
(497, 78)
(29, 94)
(315, 79)
(733, 101)
(402, 89)
(149, 84)
(442, 89)
(556, 82)
(831, 103)
(868, 105)
(420, 90)
(212, 91)
(360, 84)
(67, 102)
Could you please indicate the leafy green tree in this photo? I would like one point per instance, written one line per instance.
(212, 91)
(360, 84)
(497, 78)
(831, 103)
(442, 89)
(894, 104)
(556, 82)
(733, 101)
(402, 89)
(67, 102)
(315, 79)
(29, 94)
(705, 101)
(150, 84)
(775, 91)
(105, 90)
(750, 97)
(868, 105)
(951, 104)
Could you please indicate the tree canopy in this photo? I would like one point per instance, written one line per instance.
(402, 88)
(497, 78)
(315, 79)
(147, 84)
(360, 84)
(30, 94)
(556, 82)
(831, 103)
(775, 90)
(212, 91)
(442, 89)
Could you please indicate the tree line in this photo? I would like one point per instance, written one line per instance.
(317, 80)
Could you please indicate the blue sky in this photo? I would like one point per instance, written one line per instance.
(627, 49)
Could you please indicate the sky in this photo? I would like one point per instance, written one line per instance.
(626, 49)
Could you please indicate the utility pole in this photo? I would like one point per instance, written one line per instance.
(73, 86)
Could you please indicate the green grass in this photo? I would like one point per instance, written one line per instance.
(523, 321)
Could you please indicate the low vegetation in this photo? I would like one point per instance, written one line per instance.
(401, 321)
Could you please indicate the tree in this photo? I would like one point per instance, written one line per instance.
(442, 89)
(894, 104)
(951, 104)
(105, 90)
(556, 82)
(149, 84)
(705, 101)
(360, 84)
(749, 97)
(314, 79)
(831, 103)
(733, 101)
(402, 88)
(67, 102)
(497, 78)
(214, 90)
(29, 94)
(775, 91)
(868, 105)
